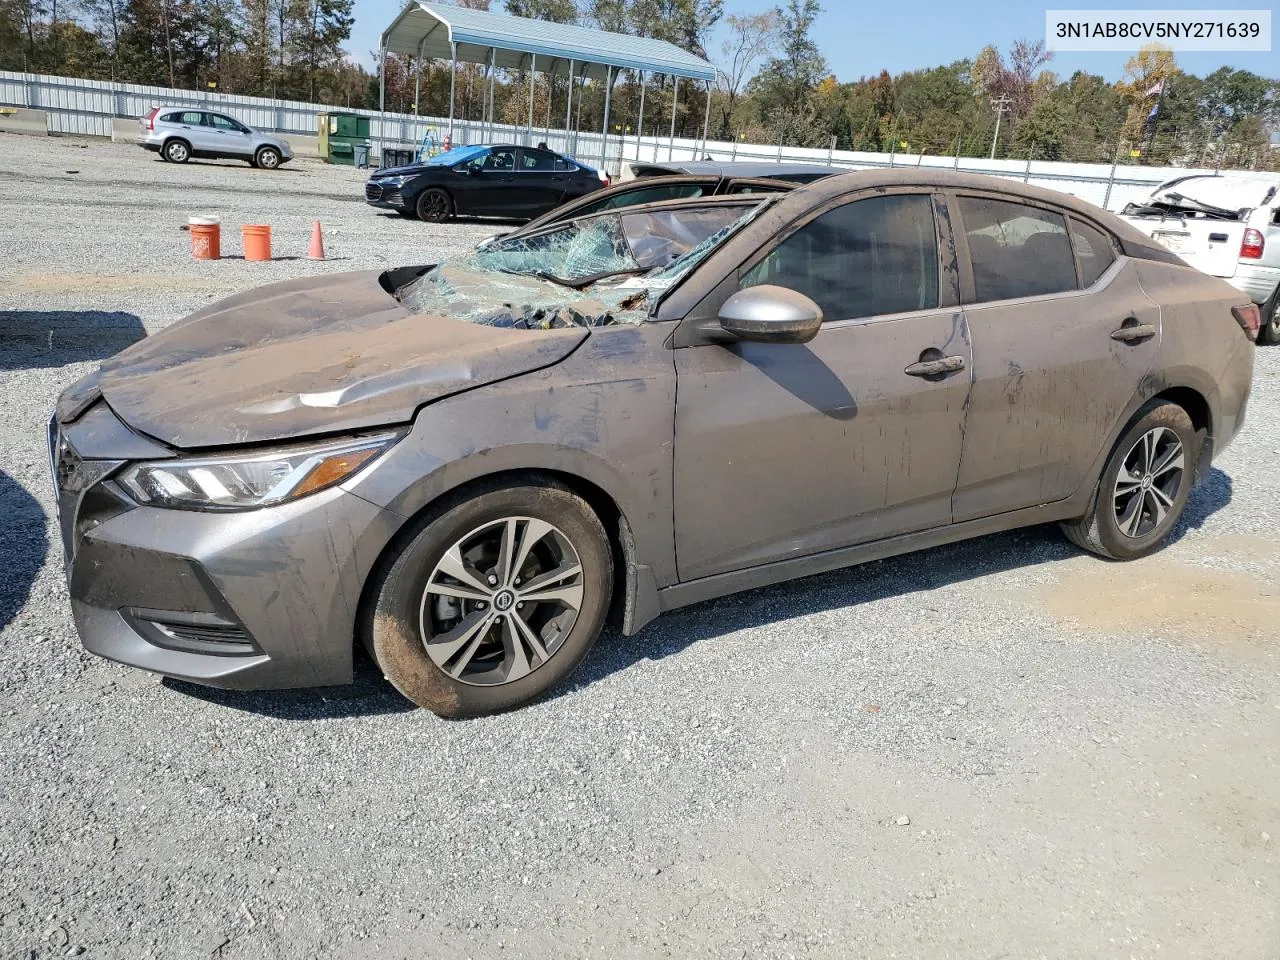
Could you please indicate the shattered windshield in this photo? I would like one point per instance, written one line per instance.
(523, 286)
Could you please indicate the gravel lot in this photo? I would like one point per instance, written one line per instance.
(1002, 748)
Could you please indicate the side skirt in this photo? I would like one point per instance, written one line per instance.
(707, 588)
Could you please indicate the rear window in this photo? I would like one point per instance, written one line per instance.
(1094, 252)
(1016, 250)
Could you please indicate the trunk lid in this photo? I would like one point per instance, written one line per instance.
(306, 357)
(1201, 218)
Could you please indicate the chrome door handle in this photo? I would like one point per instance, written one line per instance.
(935, 368)
(1134, 332)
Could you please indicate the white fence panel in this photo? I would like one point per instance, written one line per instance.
(87, 107)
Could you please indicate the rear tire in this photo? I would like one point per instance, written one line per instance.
(493, 598)
(434, 205)
(1144, 486)
(1269, 332)
(176, 151)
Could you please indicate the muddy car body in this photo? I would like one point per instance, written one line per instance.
(489, 464)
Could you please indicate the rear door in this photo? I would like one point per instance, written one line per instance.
(538, 181)
(1062, 336)
(193, 125)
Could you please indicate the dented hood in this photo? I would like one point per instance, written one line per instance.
(311, 356)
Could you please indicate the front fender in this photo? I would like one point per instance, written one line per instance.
(604, 416)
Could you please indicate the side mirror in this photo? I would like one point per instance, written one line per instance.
(769, 314)
(473, 171)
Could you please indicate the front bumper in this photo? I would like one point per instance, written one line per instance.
(388, 198)
(261, 599)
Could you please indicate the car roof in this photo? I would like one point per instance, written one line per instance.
(737, 168)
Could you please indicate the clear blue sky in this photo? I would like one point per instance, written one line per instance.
(860, 38)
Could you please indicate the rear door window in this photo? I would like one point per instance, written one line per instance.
(1094, 251)
(1017, 250)
(564, 166)
(192, 118)
(533, 161)
(866, 258)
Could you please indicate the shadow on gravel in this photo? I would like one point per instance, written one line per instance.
(37, 338)
(25, 545)
(369, 695)
(852, 586)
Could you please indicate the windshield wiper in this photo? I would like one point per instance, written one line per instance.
(540, 275)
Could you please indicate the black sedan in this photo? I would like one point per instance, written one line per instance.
(486, 181)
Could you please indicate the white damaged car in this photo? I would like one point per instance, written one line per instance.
(1227, 227)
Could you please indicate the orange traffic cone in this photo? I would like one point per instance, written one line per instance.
(316, 250)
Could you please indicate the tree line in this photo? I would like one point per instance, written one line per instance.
(773, 84)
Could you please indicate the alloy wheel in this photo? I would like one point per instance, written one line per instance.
(1148, 483)
(268, 159)
(435, 206)
(501, 601)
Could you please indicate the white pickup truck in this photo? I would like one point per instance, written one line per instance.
(1223, 226)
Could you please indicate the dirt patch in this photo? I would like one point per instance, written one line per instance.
(35, 282)
(1166, 597)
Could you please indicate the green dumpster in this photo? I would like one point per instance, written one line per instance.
(339, 133)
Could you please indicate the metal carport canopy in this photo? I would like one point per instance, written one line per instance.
(429, 30)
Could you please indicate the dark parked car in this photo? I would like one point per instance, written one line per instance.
(467, 467)
(651, 190)
(729, 169)
(493, 181)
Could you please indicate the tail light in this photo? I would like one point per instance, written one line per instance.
(151, 118)
(1252, 244)
(604, 177)
(1250, 319)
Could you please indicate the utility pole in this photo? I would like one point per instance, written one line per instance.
(1001, 103)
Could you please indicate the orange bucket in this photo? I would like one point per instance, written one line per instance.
(206, 238)
(257, 241)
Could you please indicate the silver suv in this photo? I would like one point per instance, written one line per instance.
(180, 133)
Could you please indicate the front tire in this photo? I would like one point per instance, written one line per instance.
(1144, 487)
(268, 158)
(493, 598)
(434, 205)
(1269, 332)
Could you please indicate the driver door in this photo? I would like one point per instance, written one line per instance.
(494, 188)
(786, 450)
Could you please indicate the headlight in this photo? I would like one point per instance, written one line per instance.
(394, 181)
(245, 482)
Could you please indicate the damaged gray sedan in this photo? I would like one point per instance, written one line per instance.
(469, 467)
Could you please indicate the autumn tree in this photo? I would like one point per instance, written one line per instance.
(750, 39)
